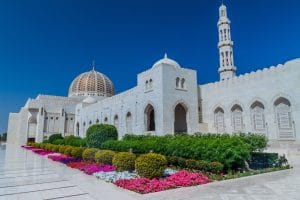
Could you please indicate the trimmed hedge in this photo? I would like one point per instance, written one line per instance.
(89, 154)
(77, 152)
(68, 150)
(54, 137)
(62, 149)
(230, 150)
(104, 157)
(99, 133)
(151, 165)
(124, 161)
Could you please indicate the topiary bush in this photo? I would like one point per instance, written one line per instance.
(42, 145)
(89, 154)
(104, 157)
(62, 149)
(215, 167)
(124, 161)
(77, 152)
(59, 142)
(48, 147)
(151, 165)
(68, 150)
(99, 133)
(54, 137)
(55, 148)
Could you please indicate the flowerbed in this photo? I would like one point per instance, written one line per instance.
(125, 179)
(179, 179)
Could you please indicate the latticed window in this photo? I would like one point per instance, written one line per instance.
(284, 118)
(258, 117)
(237, 118)
(219, 120)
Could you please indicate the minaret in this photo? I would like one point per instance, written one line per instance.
(227, 69)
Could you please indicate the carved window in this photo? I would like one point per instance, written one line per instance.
(258, 117)
(177, 82)
(219, 120)
(237, 118)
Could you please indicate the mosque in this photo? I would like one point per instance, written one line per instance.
(167, 99)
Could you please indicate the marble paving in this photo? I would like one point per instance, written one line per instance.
(24, 175)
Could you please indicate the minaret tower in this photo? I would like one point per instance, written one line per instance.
(227, 69)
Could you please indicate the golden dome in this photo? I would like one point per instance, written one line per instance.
(92, 83)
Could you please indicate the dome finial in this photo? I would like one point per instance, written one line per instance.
(93, 65)
(165, 56)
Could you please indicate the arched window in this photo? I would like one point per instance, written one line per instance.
(177, 82)
(237, 118)
(225, 35)
(223, 64)
(150, 83)
(77, 128)
(90, 122)
(128, 122)
(146, 85)
(284, 120)
(183, 83)
(258, 117)
(219, 120)
(149, 118)
(105, 120)
(180, 123)
(221, 35)
(97, 121)
(116, 122)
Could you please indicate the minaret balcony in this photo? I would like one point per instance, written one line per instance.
(227, 68)
(225, 43)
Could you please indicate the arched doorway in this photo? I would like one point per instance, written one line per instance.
(32, 128)
(284, 120)
(150, 118)
(180, 125)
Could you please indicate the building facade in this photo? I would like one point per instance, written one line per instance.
(167, 99)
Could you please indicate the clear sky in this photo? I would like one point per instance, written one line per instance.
(45, 44)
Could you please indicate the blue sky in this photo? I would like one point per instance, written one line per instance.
(45, 44)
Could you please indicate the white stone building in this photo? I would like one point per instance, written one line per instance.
(167, 99)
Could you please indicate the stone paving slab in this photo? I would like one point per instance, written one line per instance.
(25, 175)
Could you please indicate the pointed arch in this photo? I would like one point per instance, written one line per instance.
(116, 121)
(128, 122)
(219, 119)
(258, 117)
(283, 114)
(237, 118)
(180, 115)
(77, 129)
(149, 114)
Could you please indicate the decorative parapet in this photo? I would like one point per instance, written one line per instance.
(256, 75)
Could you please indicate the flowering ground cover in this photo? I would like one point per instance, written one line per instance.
(127, 180)
(179, 179)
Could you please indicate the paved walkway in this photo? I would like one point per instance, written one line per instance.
(24, 175)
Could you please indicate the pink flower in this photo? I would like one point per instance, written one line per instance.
(179, 179)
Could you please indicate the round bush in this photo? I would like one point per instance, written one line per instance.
(215, 167)
(55, 148)
(62, 149)
(124, 161)
(59, 142)
(99, 133)
(68, 150)
(89, 154)
(104, 157)
(54, 137)
(151, 165)
(48, 147)
(42, 146)
(77, 152)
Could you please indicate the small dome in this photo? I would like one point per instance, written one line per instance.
(92, 83)
(166, 61)
(89, 100)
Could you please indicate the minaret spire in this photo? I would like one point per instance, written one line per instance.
(93, 65)
(226, 69)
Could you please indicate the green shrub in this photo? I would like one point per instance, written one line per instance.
(104, 157)
(54, 137)
(62, 149)
(59, 142)
(68, 151)
(74, 141)
(257, 142)
(192, 164)
(48, 147)
(99, 133)
(42, 145)
(124, 161)
(77, 152)
(89, 154)
(230, 150)
(151, 165)
(215, 167)
(55, 148)
(203, 165)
